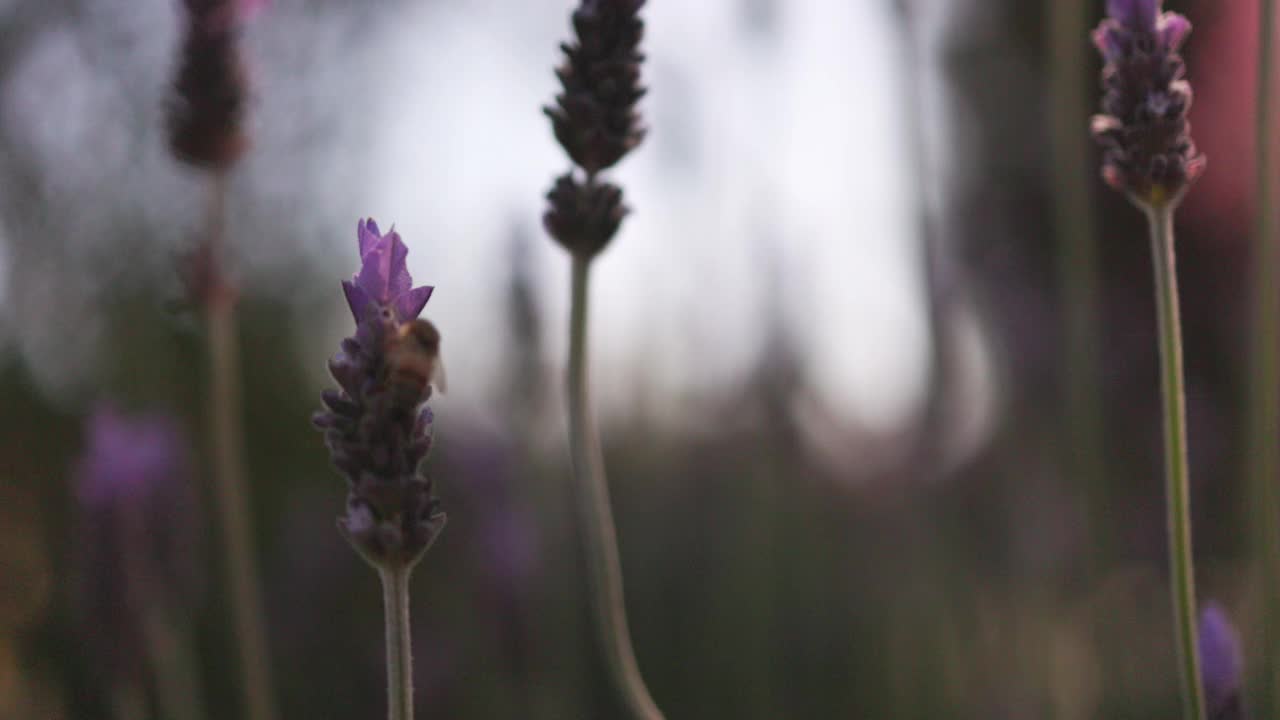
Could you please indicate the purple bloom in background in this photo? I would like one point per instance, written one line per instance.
(1143, 128)
(210, 91)
(1221, 664)
(138, 533)
(376, 426)
(595, 120)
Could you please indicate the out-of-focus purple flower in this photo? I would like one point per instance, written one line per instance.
(128, 457)
(377, 433)
(210, 92)
(1143, 128)
(1221, 664)
(596, 122)
(138, 531)
(583, 216)
(594, 117)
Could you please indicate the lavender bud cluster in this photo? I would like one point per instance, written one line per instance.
(210, 93)
(596, 122)
(376, 424)
(1143, 128)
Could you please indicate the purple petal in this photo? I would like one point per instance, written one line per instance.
(398, 280)
(1108, 39)
(1134, 14)
(375, 271)
(409, 305)
(368, 235)
(357, 299)
(1173, 29)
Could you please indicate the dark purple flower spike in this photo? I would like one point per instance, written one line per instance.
(210, 93)
(1143, 129)
(595, 121)
(1221, 664)
(378, 433)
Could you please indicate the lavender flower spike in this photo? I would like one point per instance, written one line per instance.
(1143, 128)
(376, 425)
(596, 122)
(210, 91)
(1221, 664)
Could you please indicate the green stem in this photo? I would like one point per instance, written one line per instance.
(1177, 482)
(228, 472)
(395, 603)
(596, 517)
(177, 682)
(1264, 384)
(1077, 261)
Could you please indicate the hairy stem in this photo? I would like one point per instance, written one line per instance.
(1177, 481)
(228, 472)
(1264, 384)
(596, 517)
(395, 603)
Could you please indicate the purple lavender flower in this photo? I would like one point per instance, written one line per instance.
(378, 433)
(138, 532)
(595, 120)
(1221, 664)
(210, 93)
(1143, 128)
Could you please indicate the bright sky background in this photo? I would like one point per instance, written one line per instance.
(774, 160)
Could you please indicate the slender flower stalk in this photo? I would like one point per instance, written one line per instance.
(1264, 372)
(205, 116)
(1077, 264)
(378, 431)
(1177, 481)
(596, 122)
(609, 602)
(225, 413)
(395, 602)
(1148, 154)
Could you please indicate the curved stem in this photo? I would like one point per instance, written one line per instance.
(1177, 482)
(1264, 384)
(228, 471)
(596, 517)
(395, 603)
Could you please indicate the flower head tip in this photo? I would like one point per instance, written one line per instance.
(1143, 127)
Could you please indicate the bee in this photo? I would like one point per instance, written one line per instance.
(413, 362)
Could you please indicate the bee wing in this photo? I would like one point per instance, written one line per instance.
(438, 377)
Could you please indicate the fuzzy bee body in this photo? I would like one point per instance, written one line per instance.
(413, 362)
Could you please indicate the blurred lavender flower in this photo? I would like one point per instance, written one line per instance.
(595, 120)
(206, 110)
(376, 426)
(138, 533)
(1221, 664)
(1143, 128)
(584, 217)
